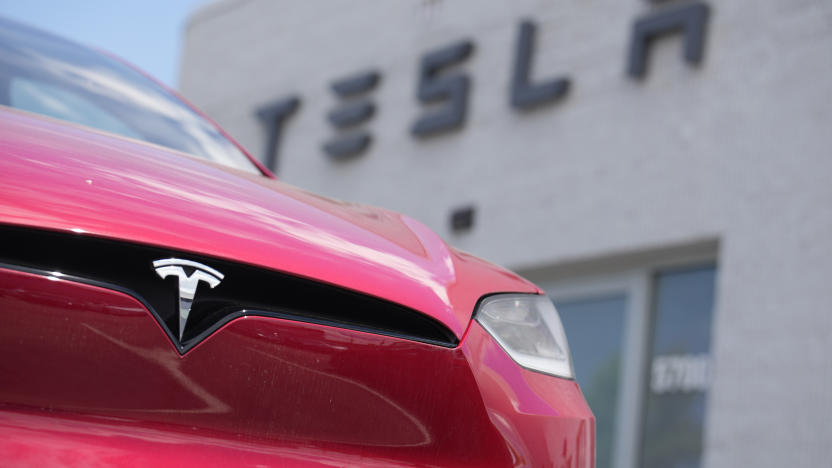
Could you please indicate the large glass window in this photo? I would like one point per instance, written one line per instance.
(679, 361)
(595, 329)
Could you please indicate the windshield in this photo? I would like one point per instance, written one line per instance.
(47, 75)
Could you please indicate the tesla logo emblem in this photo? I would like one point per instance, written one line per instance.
(187, 284)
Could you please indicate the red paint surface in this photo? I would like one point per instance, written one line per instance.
(69, 178)
(88, 377)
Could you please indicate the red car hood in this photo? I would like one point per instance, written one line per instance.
(64, 177)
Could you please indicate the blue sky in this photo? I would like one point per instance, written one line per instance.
(146, 33)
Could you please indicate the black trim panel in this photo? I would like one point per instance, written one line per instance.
(245, 289)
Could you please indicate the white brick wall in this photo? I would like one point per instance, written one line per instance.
(737, 149)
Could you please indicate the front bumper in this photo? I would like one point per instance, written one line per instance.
(96, 380)
(543, 420)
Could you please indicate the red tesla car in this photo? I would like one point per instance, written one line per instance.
(166, 302)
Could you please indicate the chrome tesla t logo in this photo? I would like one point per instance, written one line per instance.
(187, 284)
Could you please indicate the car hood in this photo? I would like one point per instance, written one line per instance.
(59, 176)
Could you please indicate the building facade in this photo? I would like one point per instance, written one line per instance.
(662, 169)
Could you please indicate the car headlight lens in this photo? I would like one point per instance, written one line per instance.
(528, 328)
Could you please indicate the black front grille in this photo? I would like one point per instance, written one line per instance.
(244, 290)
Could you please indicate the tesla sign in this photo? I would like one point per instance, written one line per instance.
(443, 84)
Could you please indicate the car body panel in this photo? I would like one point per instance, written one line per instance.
(69, 178)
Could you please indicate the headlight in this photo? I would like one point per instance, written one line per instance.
(528, 328)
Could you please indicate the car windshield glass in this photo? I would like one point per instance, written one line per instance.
(47, 75)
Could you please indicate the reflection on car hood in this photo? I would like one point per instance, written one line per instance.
(64, 177)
